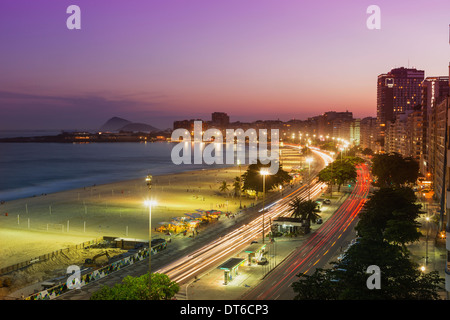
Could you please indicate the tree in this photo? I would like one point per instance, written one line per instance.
(401, 229)
(318, 286)
(237, 185)
(304, 209)
(392, 170)
(347, 280)
(305, 151)
(328, 146)
(224, 186)
(137, 288)
(339, 172)
(367, 152)
(388, 204)
(253, 180)
(353, 151)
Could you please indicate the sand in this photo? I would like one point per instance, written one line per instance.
(42, 224)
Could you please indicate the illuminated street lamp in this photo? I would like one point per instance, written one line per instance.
(149, 204)
(264, 173)
(148, 181)
(240, 184)
(309, 160)
(426, 250)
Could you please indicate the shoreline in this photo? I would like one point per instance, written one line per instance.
(42, 224)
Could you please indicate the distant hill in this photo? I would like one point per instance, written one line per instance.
(138, 127)
(114, 124)
(118, 124)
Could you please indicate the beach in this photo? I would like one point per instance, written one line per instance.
(38, 225)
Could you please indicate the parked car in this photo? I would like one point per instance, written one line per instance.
(327, 201)
(319, 221)
(262, 261)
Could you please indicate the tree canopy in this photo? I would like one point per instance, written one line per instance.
(390, 213)
(304, 209)
(340, 171)
(252, 178)
(137, 288)
(387, 222)
(347, 280)
(392, 170)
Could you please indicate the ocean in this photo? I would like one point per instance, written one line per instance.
(28, 169)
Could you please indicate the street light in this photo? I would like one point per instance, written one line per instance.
(148, 181)
(309, 160)
(331, 184)
(426, 250)
(264, 173)
(240, 184)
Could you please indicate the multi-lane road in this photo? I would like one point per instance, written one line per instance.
(234, 242)
(317, 249)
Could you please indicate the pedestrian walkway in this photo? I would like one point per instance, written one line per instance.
(211, 285)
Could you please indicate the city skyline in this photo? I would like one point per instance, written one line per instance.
(161, 62)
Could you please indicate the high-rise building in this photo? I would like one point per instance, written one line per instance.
(369, 134)
(434, 91)
(398, 90)
(220, 119)
(445, 201)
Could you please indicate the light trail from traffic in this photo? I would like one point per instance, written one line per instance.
(215, 252)
(317, 247)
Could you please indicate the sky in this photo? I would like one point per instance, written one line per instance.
(156, 61)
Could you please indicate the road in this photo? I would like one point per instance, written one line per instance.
(317, 249)
(183, 264)
(234, 242)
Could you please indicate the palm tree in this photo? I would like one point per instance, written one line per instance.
(304, 209)
(237, 186)
(224, 186)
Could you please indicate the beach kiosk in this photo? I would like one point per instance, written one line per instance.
(254, 251)
(230, 268)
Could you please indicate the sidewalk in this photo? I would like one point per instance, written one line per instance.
(431, 247)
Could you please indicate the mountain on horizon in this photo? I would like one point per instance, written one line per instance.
(120, 124)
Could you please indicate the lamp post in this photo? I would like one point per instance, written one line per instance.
(240, 184)
(332, 160)
(148, 181)
(264, 173)
(309, 160)
(426, 249)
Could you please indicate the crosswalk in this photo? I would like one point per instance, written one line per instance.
(181, 295)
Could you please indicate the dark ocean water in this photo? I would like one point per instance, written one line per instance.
(28, 169)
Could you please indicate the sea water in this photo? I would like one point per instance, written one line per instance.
(29, 169)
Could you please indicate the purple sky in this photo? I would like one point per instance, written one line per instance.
(158, 61)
